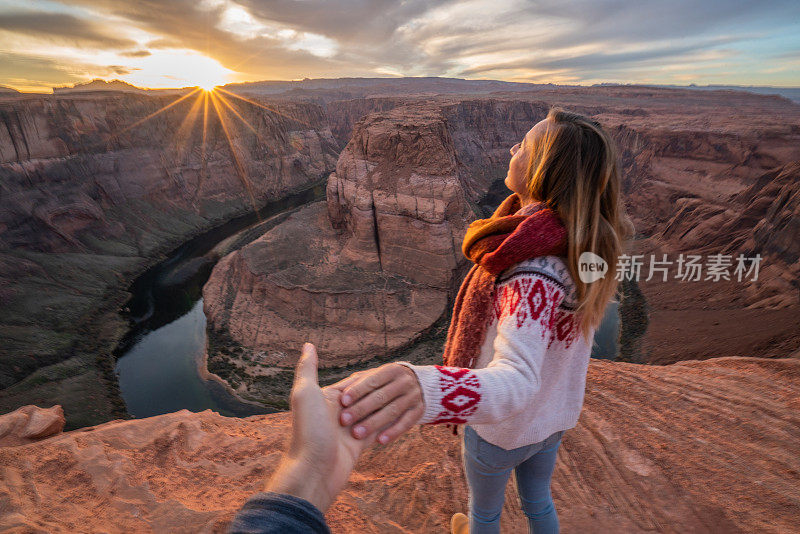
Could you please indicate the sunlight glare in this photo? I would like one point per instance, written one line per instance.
(177, 68)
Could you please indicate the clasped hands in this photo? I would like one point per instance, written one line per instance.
(381, 403)
(386, 400)
(332, 426)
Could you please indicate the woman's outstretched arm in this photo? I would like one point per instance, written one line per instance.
(396, 396)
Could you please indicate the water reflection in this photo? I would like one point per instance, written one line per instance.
(159, 374)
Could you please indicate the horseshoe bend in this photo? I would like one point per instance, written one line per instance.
(134, 226)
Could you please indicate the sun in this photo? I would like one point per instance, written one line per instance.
(178, 68)
(211, 97)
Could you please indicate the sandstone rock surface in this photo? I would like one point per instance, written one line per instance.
(699, 446)
(30, 423)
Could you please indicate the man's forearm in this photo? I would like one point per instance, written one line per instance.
(295, 476)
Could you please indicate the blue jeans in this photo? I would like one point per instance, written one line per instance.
(488, 468)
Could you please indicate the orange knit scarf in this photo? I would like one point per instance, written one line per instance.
(494, 245)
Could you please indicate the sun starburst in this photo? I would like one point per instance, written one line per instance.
(210, 100)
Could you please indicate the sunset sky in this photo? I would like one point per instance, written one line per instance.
(207, 42)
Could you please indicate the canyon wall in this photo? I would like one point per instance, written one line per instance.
(481, 129)
(667, 449)
(363, 273)
(96, 187)
(674, 143)
(707, 176)
(344, 114)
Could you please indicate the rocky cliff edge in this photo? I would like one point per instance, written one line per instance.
(697, 446)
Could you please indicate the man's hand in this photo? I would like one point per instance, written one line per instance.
(321, 453)
(387, 399)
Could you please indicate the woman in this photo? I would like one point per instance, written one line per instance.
(518, 345)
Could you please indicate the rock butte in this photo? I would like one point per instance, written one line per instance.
(367, 271)
(697, 446)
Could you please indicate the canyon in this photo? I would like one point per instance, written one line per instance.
(364, 272)
(702, 182)
(97, 187)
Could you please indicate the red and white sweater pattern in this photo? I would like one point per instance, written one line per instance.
(530, 374)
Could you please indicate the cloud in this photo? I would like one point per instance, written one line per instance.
(120, 70)
(35, 69)
(33, 73)
(591, 39)
(543, 40)
(136, 53)
(61, 27)
(347, 21)
(187, 24)
(637, 22)
(604, 60)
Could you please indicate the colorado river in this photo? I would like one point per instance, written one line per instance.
(159, 373)
(159, 360)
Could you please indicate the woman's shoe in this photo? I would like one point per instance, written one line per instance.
(459, 524)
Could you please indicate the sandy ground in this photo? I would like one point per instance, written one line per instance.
(697, 446)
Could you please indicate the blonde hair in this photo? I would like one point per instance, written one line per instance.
(573, 168)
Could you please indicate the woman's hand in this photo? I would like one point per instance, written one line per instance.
(387, 400)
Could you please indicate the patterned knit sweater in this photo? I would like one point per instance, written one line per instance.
(530, 377)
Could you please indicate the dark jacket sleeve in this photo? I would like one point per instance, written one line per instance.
(268, 513)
